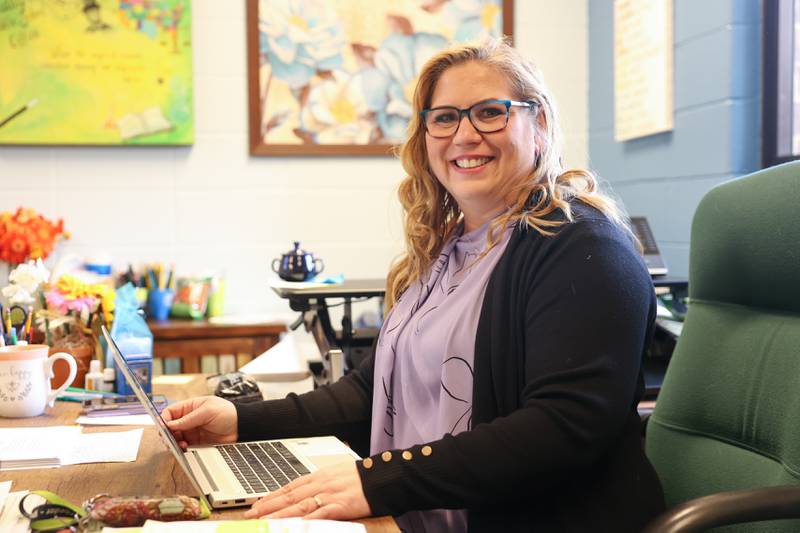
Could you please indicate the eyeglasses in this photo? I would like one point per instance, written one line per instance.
(488, 116)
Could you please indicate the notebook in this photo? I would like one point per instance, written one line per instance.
(234, 475)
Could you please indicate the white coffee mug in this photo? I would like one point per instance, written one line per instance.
(25, 373)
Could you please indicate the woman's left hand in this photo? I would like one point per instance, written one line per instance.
(332, 493)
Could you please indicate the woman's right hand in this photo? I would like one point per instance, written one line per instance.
(204, 420)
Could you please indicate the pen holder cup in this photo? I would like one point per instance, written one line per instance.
(159, 302)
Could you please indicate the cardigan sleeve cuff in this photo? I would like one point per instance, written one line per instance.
(397, 481)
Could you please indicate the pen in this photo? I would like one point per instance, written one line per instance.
(91, 392)
(169, 277)
(2, 325)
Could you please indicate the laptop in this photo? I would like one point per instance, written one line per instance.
(235, 475)
(652, 256)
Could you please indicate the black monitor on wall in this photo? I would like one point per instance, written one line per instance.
(781, 86)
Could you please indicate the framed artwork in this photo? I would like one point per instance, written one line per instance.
(336, 78)
(96, 72)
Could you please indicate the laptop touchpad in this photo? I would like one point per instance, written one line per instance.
(321, 461)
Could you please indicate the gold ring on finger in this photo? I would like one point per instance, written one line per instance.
(318, 501)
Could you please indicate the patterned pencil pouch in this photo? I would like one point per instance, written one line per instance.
(135, 510)
(58, 514)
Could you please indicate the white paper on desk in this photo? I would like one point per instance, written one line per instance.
(120, 420)
(5, 488)
(39, 447)
(274, 525)
(282, 362)
(108, 447)
(11, 521)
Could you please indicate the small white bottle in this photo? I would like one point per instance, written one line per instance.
(109, 378)
(94, 379)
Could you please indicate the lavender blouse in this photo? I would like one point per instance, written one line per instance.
(424, 359)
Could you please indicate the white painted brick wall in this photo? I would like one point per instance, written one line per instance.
(212, 206)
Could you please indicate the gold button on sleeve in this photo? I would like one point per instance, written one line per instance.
(407, 455)
(367, 463)
(386, 456)
(426, 451)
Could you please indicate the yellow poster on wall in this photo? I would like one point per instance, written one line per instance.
(96, 72)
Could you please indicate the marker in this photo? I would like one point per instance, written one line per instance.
(18, 112)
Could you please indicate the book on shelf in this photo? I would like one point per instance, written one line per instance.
(158, 366)
(208, 364)
(227, 363)
(172, 365)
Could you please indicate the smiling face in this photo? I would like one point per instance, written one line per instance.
(477, 169)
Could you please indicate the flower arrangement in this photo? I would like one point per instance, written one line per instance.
(25, 234)
(24, 281)
(71, 294)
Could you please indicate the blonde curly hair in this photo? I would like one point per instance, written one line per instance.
(431, 213)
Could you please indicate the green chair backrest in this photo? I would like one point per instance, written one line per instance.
(728, 415)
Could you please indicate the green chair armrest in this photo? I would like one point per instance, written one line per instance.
(732, 507)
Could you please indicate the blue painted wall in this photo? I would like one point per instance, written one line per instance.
(716, 137)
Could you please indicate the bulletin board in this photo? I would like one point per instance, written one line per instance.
(96, 72)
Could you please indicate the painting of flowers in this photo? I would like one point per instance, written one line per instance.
(338, 77)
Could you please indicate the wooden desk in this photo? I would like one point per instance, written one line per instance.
(155, 471)
(192, 339)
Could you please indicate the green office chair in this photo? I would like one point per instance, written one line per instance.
(727, 421)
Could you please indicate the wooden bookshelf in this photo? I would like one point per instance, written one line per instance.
(191, 340)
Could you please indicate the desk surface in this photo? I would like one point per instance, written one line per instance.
(155, 471)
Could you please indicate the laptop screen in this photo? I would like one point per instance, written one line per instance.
(161, 426)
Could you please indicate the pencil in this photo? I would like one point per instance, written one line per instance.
(18, 112)
(28, 329)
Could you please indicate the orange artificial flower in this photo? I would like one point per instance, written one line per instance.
(25, 235)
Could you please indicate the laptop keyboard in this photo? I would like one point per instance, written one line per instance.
(262, 466)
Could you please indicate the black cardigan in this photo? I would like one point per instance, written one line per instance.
(555, 444)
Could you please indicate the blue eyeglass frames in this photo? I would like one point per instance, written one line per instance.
(487, 116)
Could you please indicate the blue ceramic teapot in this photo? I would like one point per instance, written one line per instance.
(297, 265)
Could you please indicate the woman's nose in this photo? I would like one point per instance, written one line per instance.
(466, 132)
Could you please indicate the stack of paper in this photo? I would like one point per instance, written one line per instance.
(11, 521)
(34, 447)
(282, 362)
(50, 447)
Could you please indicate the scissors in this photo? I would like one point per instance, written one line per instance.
(14, 316)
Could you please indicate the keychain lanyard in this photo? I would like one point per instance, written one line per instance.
(53, 515)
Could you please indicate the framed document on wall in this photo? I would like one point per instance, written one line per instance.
(336, 78)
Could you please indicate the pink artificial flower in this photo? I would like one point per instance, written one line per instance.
(56, 300)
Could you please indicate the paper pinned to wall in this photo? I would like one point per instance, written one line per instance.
(643, 69)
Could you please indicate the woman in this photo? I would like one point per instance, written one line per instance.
(502, 392)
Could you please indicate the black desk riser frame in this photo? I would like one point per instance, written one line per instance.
(337, 348)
